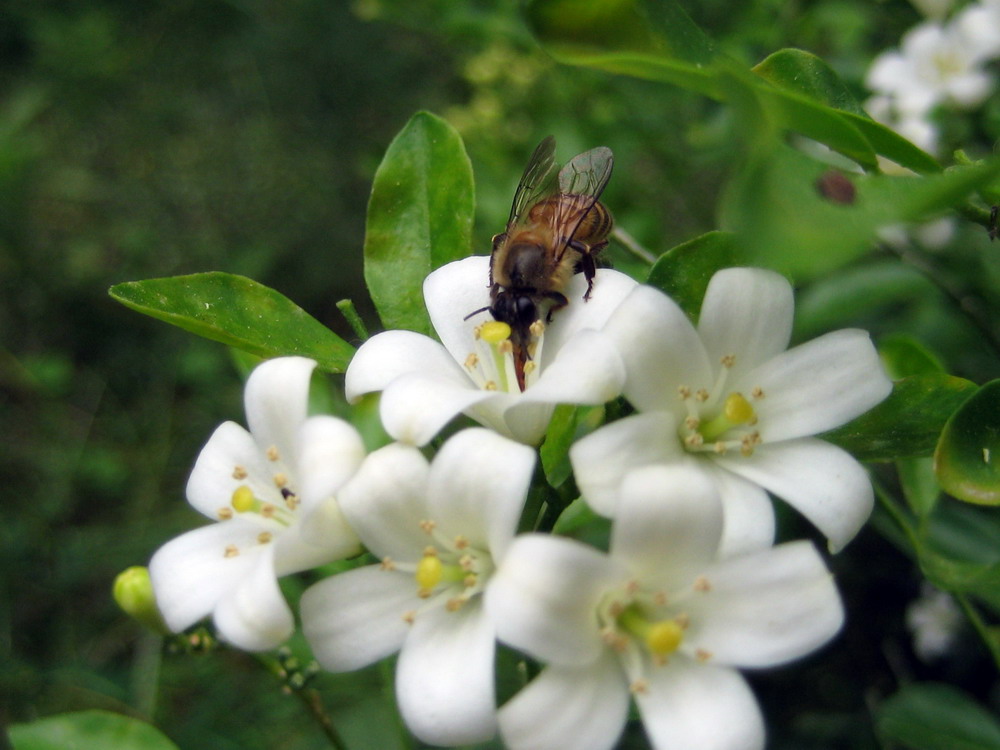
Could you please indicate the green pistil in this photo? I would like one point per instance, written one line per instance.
(661, 637)
(737, 411)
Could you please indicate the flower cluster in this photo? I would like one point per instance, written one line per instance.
(690, 589)
(939, 62)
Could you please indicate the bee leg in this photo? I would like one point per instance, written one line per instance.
(559, 301)
(589, 269)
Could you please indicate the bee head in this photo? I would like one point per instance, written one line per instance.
(518, 311)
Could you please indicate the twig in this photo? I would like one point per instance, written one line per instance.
(631, 244)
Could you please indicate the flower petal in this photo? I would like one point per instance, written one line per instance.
(747, 512)
(254, 616)
(356, 618)
(603, 458)
(322, 536)
(586, 370)
(525, 422)
(746, 312)
(765, 609)
(477, 486)
(444, 677)
(543, 596)
(211, 484)
(610, 290)
(579, 707)
(818, 385)
(386, 356)
(451, 293)
(330, 451)
(385, 502)
(668, 524)
(660, 348)
(192, 573)
(416, 406)
(824, 483)
(276, 398)
(690, 705)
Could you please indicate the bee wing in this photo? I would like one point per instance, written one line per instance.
(536, 180)
(585, 177)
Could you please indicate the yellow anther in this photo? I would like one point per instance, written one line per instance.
(757, 392)
(239, 473)
(738, 410)
(224, 514)
(470, 580)
(461, 542)
(702, 655)
(280, 480)
(529, 367)
(409, 617)
(493, 332)
(471, 361)
(490, 385)
(427, 526)
(429, 572)
(664, 637)
(728, 360)
(536, 329)
(505, 347)
(702, 395)
(639, 687)
(387, 563)
(701, 584)
(684, 392)
(231, 551)
(268, 510)
(243, 499)
(692, 423)
(264, 537)
(454, 604)
(272, 453)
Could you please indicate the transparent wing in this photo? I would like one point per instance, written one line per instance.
(536, 181)
(583, 180)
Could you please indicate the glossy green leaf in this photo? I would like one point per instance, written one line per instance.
(904, 355)
(554, 452)
(907, 424)
(683, 272)
(88, 730)
(919, 484)
(419, 218)
(934, 716)
(787, 221)
(967, 459)
(798, 72)
(238, 312)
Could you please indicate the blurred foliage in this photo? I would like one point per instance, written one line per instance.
(158, 139)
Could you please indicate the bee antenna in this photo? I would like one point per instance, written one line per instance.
(476, 312)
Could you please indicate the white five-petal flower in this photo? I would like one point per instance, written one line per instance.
(728, 398)
(660, 617)
(272, 492)
(440, 529)
(425, 384)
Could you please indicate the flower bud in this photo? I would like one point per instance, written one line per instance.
(133, 592)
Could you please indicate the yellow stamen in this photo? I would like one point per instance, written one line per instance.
(429, 572)
(664, 637)
(243, 499)
(738, 410)
(493, 331)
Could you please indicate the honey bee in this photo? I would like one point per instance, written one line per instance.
(555, 229)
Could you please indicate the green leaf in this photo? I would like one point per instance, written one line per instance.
(786, 221)
(86, 730)
(238, 312)
(904, 355)
(419, 218)
(683, 272)
(919, 484)
(933, 716)
(967, 459)
(907, 424)
(554, 452)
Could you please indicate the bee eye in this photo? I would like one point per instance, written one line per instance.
(526, 312)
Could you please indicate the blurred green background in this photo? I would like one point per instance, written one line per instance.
(150, 139)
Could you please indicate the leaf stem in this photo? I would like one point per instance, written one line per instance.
(308, 697)
(631, 244)
(350, 313)
(981, 627)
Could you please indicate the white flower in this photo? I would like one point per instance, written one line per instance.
(659, 617)
(271, 491)
(425, 384)
(935, 620)
(726, 397)
(440, 529)
(935, 64)
(979, 25)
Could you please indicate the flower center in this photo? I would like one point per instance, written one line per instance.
(273, 514)
(450, 573)
(720, 420)
(645, 628)
(496, 365)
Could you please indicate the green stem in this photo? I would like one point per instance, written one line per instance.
(981, 627)
(631, 244)
(350, 313)
(309, 698)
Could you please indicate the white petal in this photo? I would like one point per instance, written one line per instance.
(601, 459)
(583, 708)
(191, 573)
(477, 486)
(276, 399)
(668, 524)
(416, 406)
(700, 706)
(747, 312)
(586, 370)
(211, 484)
(765, 608)
(544, 595)
(525, 422)
(610, 290)
(322, 536)
(330, 451)
(254, 616)
(818, 385)
(386, 356)
(824, 483)
(385, 502)
(444, 677)
(353, 619)
(660, 348)
(451, 293)
(747, 511)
